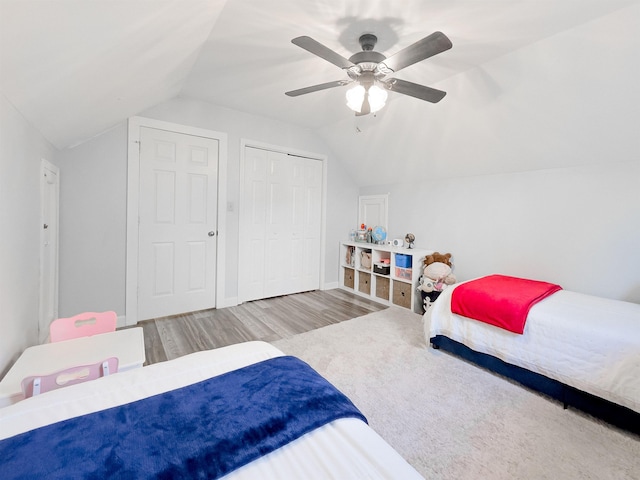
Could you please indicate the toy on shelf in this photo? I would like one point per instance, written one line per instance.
(410, 238)
(362, 234)
(378, 234)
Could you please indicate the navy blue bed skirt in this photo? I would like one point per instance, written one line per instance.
(615, 414)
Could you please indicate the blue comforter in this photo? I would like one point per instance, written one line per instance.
(204, 430)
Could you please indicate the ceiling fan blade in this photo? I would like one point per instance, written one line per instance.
(413, 89)
(311, 45)
(316, 88)
(429, 46)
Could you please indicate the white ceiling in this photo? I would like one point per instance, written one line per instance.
(74, 68)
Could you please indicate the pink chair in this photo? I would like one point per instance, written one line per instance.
(82, 325)
(38, 384)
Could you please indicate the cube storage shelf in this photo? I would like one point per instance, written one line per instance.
(360, 264)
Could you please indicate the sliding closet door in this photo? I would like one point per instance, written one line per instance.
(280, 224)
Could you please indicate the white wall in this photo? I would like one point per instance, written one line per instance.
(567, 105)
(21, 149)
(93, 215)
(579, 226)
(93, 220)
(238, 125)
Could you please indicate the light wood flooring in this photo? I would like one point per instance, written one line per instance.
(268, 320)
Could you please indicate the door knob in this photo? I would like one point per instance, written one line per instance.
(211, 233)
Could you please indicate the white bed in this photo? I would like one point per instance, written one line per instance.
(586, 342)
(345, 448)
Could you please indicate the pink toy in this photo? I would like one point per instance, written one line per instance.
(38, 384)
(82, 325)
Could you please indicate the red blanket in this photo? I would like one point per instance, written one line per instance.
(500, 300)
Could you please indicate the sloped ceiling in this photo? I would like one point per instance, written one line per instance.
(74, 68)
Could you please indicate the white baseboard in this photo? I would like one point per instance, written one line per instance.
(330, 286)
(227, 302)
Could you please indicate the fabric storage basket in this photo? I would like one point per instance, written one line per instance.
(348, 277)
(403, 260)
(364, 282)
(382, 288)
(402, 294)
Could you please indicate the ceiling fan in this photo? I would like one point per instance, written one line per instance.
(368, 71)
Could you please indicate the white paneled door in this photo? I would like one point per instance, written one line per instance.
(177, 223)
(280, 224)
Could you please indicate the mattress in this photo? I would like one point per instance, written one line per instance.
(587, 342)
(345, 448)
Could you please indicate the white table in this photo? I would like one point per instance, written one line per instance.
(127, 345)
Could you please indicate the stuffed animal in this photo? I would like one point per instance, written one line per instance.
(436, 276)
(426, 285)
(440, 274)
(438, 257)
(428, 292)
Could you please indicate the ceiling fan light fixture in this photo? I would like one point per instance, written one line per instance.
(355, 97)
(377, 97)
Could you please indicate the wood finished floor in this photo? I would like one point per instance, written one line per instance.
(268, 320)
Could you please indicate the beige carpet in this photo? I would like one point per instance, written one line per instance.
(453, 420)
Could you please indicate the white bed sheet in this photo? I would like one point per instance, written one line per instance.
(345, 448)
(587, 342)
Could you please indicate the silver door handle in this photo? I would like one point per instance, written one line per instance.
(211, 233)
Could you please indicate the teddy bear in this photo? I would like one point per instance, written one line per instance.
(441, 275)
(437, 275)
(438, 257)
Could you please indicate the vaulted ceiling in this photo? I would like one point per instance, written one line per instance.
(74, 68)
